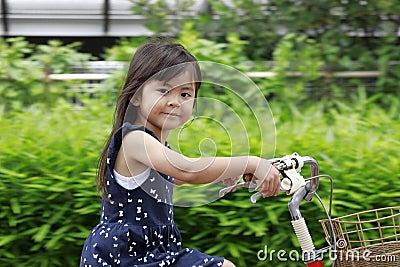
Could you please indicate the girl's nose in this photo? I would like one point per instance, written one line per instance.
(173, 101)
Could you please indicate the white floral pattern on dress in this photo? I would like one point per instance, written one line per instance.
(136, 226)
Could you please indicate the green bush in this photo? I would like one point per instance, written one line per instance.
(48, 167)
(25, 69)
(49, 152)
(346, 36)
(358, 145)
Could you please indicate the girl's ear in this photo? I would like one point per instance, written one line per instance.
(135, 101)
(136, 98)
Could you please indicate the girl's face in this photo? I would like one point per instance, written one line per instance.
(165, 105)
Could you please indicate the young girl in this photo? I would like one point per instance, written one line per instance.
(136, 167)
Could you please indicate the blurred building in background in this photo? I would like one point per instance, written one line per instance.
(97, 23)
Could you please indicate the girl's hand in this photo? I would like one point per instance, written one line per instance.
(268, 179)
(231, 181)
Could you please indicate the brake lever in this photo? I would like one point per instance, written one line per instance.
(292, 182)
(253, 198)
(227, 189)
(289, 184)
(289, 167)
(250, 185)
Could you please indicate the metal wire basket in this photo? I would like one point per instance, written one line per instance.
(366, 239)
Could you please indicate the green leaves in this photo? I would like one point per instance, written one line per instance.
(48, 168)
(49, 155)
(356, 144)
(24, 70)
(47, 179)
(15, 207)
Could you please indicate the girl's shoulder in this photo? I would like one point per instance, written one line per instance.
(118, 136)
(128, 127)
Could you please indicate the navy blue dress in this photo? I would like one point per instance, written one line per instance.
(137, 227)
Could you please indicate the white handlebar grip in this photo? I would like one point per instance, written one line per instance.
(304, 237)
(286, 184)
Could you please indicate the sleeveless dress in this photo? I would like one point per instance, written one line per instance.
(137, 227)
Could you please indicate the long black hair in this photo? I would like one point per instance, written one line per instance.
(149, 62)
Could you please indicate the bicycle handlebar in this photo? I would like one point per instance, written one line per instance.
(314, 182)
(290, 167)
(292, 182)
(297, 162)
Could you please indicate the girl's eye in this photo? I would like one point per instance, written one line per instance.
(163, 91)
(186, 95)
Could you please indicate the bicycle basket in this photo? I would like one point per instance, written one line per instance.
(366, 239)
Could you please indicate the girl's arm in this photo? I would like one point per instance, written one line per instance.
(178, 182)
(148, 151)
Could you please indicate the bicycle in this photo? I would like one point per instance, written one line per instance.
(364, 241)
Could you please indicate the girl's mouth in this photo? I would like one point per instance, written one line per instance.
(170, 114)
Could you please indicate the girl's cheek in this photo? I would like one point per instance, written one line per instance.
(188, 106)
(189, 103)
